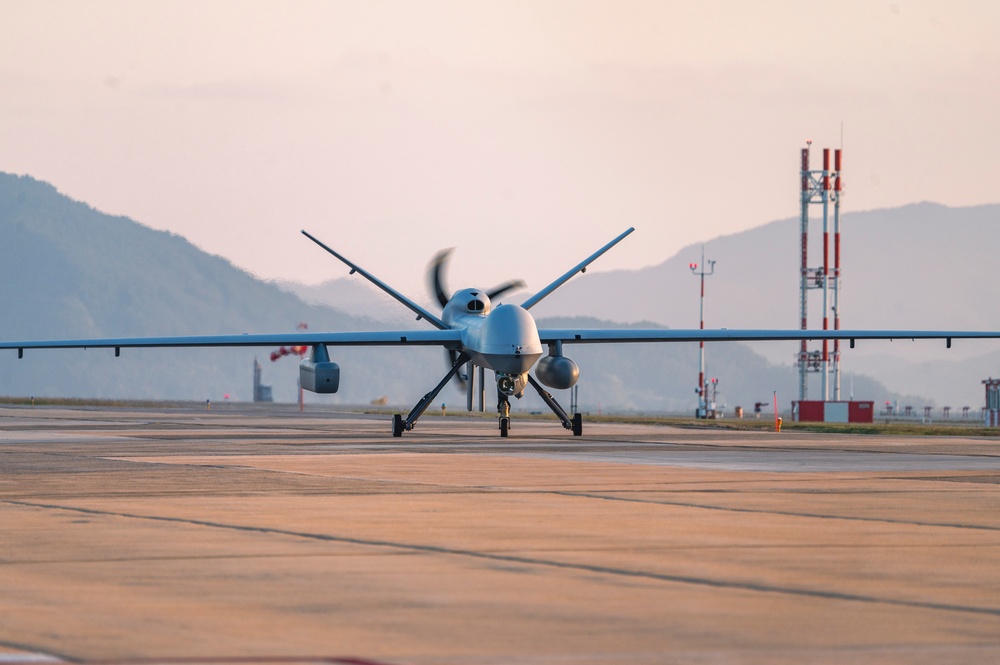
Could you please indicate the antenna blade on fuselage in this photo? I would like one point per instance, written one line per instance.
(580, 267)
(420, 311)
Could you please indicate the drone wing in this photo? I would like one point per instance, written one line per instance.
(615, 335)
(421, 312)
(371, 338)
(580, 267)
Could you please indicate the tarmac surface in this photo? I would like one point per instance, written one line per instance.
(253, 535)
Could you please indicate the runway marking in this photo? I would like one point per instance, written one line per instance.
(241, 660)
(548, 563)
(25, 657)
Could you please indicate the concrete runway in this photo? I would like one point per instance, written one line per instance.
(250, 535)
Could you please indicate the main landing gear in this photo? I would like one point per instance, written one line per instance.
(575, 423)
(398, 424)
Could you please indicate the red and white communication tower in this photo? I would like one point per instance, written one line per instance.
(821, 188)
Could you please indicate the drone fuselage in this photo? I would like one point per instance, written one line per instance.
(504, 339)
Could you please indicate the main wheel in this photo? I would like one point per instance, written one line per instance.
(577, 424)
(504, 426)
(397, 425)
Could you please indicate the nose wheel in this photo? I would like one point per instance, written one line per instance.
(503, 407)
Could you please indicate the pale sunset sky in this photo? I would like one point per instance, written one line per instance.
(526, 134)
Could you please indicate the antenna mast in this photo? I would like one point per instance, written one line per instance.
(820, 188)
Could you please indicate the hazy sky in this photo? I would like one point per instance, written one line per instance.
(526, 134)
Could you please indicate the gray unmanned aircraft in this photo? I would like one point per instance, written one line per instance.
(503, 339)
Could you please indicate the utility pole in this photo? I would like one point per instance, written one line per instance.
(707, 268)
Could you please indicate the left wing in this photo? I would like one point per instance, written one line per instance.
(609, 335)
(378, 338)
(406, 302)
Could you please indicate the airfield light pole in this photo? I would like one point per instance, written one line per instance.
(702, 273)
(837, 192)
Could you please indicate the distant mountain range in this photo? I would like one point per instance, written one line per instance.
(67, 270)
(918, 266)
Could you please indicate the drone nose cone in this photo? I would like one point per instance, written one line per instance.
(511, 324)
(510, 339)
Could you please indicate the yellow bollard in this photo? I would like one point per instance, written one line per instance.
(777, 425)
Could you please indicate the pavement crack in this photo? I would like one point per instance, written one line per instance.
(823, 594)
(784, 513)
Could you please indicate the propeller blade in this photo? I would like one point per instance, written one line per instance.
(498, 291)
(436, 277)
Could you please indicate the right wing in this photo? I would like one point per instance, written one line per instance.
(579, 267)
(445, 338)
(626, 335)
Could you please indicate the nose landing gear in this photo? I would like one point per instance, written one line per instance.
(503, 407)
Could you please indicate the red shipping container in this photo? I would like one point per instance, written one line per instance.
(811, 411)
(861, 412)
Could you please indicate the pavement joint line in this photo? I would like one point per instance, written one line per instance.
(528, 561)
(312, 474)
(784, 513)
(453, 489)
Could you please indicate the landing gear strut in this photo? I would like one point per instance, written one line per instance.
(575, 423)
(398, 424)
(503, 407)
